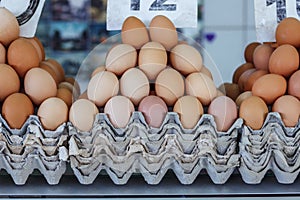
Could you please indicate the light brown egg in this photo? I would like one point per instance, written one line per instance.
(134, 32)
(284, 60)
(206, 71)
(9, 29)
(22, 56)
(57, 68)
(224, 111)
(166, 88)
(249, 50)
(70, 87)
(134, 84)
(289, 108)
(120, 58)
(2, 54)
(65, 95)
(152, 59)
(269, 87)
(294, 84)
(83, 96)
(39, 85)
(75, 84)
(244, 78)
(186, 59)
(50, 70)
(16, 109)
(52, 113)
(38, 47)
(102, 87)
(230, 89)
(201, 86)
(9, 81)
(242, 97)
(119, 110)
(190, 110)
(240, 70)
(98, 69)
(261, 56)
(253, 111)
(162, 30)
(82, 114)
(252, 78)
(287, 32)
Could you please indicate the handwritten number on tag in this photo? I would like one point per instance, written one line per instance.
(157, 5)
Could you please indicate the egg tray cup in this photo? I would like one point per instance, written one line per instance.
(152, 152)
(32, 134)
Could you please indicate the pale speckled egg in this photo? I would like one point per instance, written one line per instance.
(9, 28)
(2, 54)
(294, 84)
(9, 81)
(261, 56)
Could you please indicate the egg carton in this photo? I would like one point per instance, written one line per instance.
(32, 134)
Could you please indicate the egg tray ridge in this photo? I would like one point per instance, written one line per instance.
(151, 152)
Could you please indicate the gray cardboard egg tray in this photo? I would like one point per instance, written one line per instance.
(151, 152)
(274, 147)
(31, 147)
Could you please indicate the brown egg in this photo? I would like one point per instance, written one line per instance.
(38, 47)
(224, 111)
(75, 84)
(52, 113)
(82, 114)
(190, 110)
(287, 32)
(269, 87)
(134, 32)
(57, 68)
(253, 111)
(206, 71)
(252, 78)
(98, 69)
(220, 93)
(242, 97)
(39, 85)
(65, 95)
(102, 87)
(2, 54)
(244, 78)
(289, 108)
(162, 30)
(186, 59)
(152, 59)
(240, 70)
(83, 96)
(9, 29)
(22, 56)
(70, 87)
(16, 109)
(134, 84)
(284, 60)
(9, 81)
(50, 70)
(166, 88)
(231, 90)
(261, 56)
(249, 50)
(120, 58)
(119, 110)
(294, 84)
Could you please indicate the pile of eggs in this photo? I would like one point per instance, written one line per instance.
(29, 83)
(153, 72)
(269, 80)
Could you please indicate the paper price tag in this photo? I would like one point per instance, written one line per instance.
(268, 13)
(27, 12)
(183, 13)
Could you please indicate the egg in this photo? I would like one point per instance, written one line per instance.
(287, 32)
(162, 30)
(98, 69)
(230, 89)
(39, 85)
(57, 68)
(242, 97)
(36, 43)
(134, 32)
(134, 84)
(289, 108)
(261, 56)
(169, 85)
(102, 87)
(70, 87)
(2, 54)
(83, 95)
(284, 60)
(240, 70)
(294, 84)
(52, 113)
(249, 50)
(22, 56)
(65, 95)
(201, 86)
(244, 78)
(252, 78)
(75, 84)
(16, 109)
(206, 71)
(152, 59)
(224, 111)
(269, 87)
(154, 110)
(9, 28)
(50, 70)
(119, 110)
(253, 111)
(190, 110)
(82, 114)
(120, 58)
(9, 81)
(186, 59)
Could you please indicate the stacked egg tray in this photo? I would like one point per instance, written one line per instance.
(151, 152)
(272, 148)
(31, 147)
